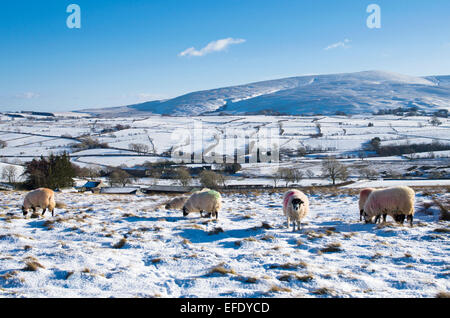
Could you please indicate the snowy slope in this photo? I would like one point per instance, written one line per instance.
(362, 92)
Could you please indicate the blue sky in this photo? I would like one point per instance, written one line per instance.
(131, 51)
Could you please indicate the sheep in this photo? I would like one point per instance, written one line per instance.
(295, 207)
(203, 201)
(398, 202)
(363, 195)
(41, 198)
(176, 203)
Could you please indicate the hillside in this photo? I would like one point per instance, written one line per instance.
(350, 93)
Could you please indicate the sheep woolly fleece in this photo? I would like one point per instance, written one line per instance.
(289, 212)
(363, 196)
(206, 201)
(391, 201)
(40, 198)
(176, 203)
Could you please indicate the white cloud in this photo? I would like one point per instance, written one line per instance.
(214, 46)
(28, 95)
(342, 44)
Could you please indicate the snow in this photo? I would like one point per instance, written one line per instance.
(396, 183)
(351, 93)
(167, 255)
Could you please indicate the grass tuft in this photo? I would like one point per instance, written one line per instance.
(443, 295)
(332, 248)
(32, 266)
(120, 244)
(278, 289)
(222, 270)
(324, 291)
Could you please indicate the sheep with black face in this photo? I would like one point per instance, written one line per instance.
(295, 207)
(397, 202)
(204, 201)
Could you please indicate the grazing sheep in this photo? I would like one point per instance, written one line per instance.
(204, 201)
(295, 207)
(363, 195)
(41, 198)
(176, 204)
(398, 202)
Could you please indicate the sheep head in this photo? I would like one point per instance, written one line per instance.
(296, 204)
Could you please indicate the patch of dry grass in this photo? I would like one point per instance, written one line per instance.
(289, 265)
(222, 270)
(442, 230)
(445, 294)
(332, 248)
(185, 241)
(216, 231)
(311, 235)
(268, 238)
(443, 206)
(250, 280)
(278, 289)
(120, 244)
(32, 265)
(324, 291)
(289, 277)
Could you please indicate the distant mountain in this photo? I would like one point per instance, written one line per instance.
(350, 93)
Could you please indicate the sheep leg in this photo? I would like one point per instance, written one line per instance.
(288, 222)
(217, 215)
(293, 226)
(384, 218)
(43, 212)
(378, 217)
(410, 218)
(53, 212)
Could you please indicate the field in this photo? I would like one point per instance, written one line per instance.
(130, 246)
(346, 137)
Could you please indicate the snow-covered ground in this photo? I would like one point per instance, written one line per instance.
(128, 246)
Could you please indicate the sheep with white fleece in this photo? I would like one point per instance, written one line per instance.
(176, 203)
(295, 207)
(363, 196)
(41, 198)
(209, 201)
(398, 202)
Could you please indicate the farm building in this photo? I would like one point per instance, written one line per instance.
(93, 186)
(124, 190)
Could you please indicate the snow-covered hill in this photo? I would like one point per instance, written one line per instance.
(351, 93)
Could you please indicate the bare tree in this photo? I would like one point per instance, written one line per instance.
(310, 173)
(334, 170)
(276, 177)
(209, 179)
(288, 175)
(183, 176)
(139, 148)
(368, 172)
(435, 121)
(10, 173)
(222, 179)
(119, 177)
